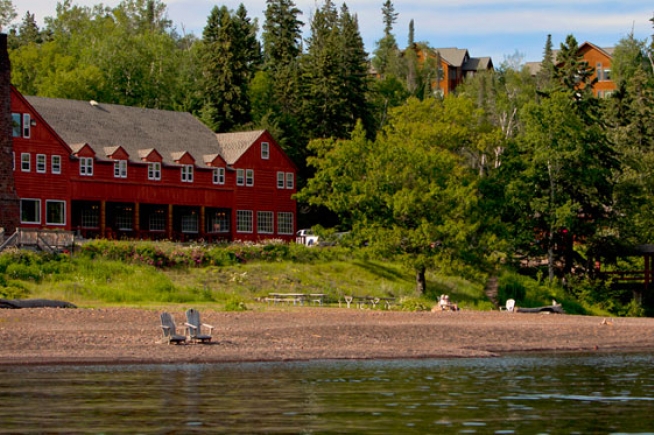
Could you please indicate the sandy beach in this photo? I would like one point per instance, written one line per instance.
(133, 336)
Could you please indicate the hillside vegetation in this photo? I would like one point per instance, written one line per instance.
(232, 277)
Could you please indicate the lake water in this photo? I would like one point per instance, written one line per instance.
(588, 394)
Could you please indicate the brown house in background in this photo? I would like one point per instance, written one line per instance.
(600, 59)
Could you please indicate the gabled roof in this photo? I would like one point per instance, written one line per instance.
(234, 145)
(132, 128)
(478, 63)
(454, 56)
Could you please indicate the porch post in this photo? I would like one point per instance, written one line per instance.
(202, 221)
(169, 222)
(103, 218)
(137, 219)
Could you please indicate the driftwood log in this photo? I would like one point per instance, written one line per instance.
(34, 303)
(556, 309)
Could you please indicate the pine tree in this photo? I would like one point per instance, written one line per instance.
(546, 74)
(229, 57)
(387, 55)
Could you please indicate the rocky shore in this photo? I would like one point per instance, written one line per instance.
(133, 336)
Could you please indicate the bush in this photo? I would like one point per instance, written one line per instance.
(511, 286)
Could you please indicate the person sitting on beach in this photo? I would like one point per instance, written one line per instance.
(445, 304)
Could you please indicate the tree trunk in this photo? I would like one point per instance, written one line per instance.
(421, 282)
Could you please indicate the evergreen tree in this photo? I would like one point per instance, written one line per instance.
(278, 85)
(546, 73)
(7, 13)
(387, 54)
(325, 106)
(25, 33)
(228, 58)
(354, 72)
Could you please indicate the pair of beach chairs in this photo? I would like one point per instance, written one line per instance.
(193, 329)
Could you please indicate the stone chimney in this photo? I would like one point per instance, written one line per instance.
(9, 204)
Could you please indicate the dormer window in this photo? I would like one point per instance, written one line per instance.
(187, 174)
(265, 150)
(120, 169)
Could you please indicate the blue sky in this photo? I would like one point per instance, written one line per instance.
(486, 28)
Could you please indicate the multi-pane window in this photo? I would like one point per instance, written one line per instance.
(187, 173)
(125, 218)
(284, 223)
(16, 124)
(30, 211)
(90, 217)
(190, 223)
(40, 163)
(26, 125)
(265, 150)
(290, 180)
(240, 177)
(244, 221)
(249, 177)
(55, 163)
(25, 162)
(218, 222)
(120, 169)
(55, 212)
(154, 171)
(86, 166)
(265, 222)
(280, 180)
(219, 176)
(157, 220)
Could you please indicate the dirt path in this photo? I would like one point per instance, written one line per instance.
(132, 336)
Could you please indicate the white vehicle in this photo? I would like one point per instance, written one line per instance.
(306, 237)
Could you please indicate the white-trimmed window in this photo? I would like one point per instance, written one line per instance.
(154, 171)
(26, 125)
(219, 176)
(16, 124)
(55, 212)
(280, 180)
(240, 177)
(285, 223)
(41, 166)
(30, 211)
(86, 166)
(244, 221)
(25, 162)
(187, 174)
(265, 150)
(290, 180)
(218, 222)
(265, 222)
(190, 223)
(120, 169)
(249, 177)
(55, 164)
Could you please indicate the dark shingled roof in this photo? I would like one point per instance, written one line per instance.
(107, 126)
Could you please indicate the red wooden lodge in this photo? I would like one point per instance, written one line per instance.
(112, 171)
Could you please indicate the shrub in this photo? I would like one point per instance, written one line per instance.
(234, 304)
(511, 286)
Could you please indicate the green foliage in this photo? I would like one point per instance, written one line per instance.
(413, 304)
(511, 286)
(235, 304)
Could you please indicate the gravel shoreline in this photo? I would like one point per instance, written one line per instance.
(40, 336)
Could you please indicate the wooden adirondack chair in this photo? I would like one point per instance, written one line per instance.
(195, 327)
(168, 330)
